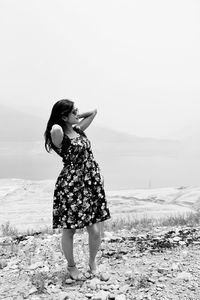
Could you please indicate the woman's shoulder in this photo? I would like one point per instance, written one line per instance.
(56, 135)
(56, 128)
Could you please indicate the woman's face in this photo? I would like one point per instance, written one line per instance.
(73, 116)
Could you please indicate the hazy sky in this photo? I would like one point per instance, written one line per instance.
(137, 62)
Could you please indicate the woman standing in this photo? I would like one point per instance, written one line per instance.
(79, 197)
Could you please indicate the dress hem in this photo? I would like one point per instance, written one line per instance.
(63, 227)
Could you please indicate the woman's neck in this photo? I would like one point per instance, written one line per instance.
(68, 129)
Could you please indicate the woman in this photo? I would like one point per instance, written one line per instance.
(79, 197)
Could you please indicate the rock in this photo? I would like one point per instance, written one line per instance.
(152, 280)
(176, 239)
(52, 289)
(175, 267)
(30, 238)
(63, 296)
(96, 297)
(196, 242)
(120, 297)
(105, 276)
(13, 267)
(111, 297)
(13, 263)
(161, 286)
(45, 269)
(94, 283)
(129, 274)
(105, 287)
(88, 295)
(161, 279)
(124, 288)
(182, 243)
(3, 263)
(114, 286)
(69, 281)
(108, 236)
(184, 276)
(87, 275)
(163, 270)
(101, 295)
(192, 288)
(35, 265)
(124, 257)
(184, 253)
(6, 240)
(2, 239)
(32, 290)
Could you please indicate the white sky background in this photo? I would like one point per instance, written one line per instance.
(137, 62)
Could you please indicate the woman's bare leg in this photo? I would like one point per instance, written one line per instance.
(94, 242)
(67, 247)
(102, 229)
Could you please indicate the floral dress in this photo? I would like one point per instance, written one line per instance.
(79, 197)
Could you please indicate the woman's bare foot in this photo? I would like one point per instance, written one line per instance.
(74, 273)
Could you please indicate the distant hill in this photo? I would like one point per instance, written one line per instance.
(115, 142)
(17, 126)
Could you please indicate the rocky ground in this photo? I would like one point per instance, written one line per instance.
(161, 264)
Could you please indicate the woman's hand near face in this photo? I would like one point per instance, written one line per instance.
(87, 119)
(87, 114)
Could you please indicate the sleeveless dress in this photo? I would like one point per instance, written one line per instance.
(79, 198)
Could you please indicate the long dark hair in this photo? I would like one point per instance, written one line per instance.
(61, 108)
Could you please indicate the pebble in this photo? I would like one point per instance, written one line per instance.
(182, 243)
(163, 270)
(69, 281)
(32, 290)
(105, 276)
(105, 287)
(101, 295)
(94, 283)
(35, 265)
(129, 273)
(160, 285)
(3, 263)
(175, 267)
(45, 269)
(185, 276)
(176, 239)
(111, 297)
(115, 286)
(63, 296)
(124, 288)
(88, 295)
(184, 253)
(120, 297)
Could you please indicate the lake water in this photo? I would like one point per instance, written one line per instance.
(119, 171)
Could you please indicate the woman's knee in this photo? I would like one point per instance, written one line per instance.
(94, 230)
(68, 232)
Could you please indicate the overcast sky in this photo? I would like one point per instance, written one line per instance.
(137, 62)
